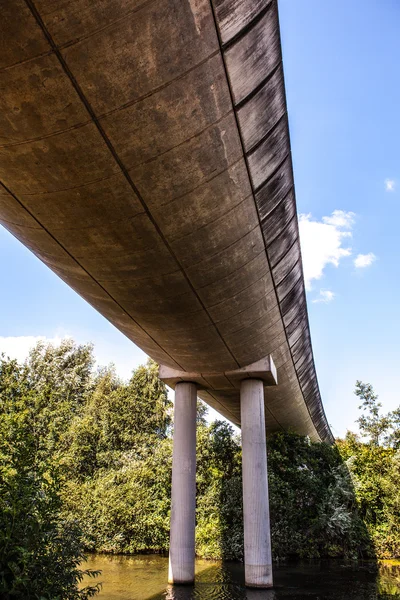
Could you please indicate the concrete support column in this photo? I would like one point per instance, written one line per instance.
(183, 497)
(257, 535)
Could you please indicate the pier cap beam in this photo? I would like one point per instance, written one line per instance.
(263, 369)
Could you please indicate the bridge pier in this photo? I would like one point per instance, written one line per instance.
(248, 383)
(183, 496)
(257, 534)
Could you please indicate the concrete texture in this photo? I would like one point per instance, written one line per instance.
(183, 491)
(256, 522)
(145, 158)
(263, 369)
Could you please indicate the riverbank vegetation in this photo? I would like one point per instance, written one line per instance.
(86, 458)
(373, 461)
(40, 547)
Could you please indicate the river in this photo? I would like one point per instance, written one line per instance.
(144, 578)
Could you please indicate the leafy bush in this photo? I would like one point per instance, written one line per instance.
(312, 502)
(219, 530)
(375, 472)
(40, 552)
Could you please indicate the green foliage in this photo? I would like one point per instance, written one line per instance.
(379, 429)
(80, 449)
(117, 457)
(219, 531)
(312, 503)
(372, 424)
(393, 439)
(125, 508)
(118, 422)
(375, 470)
(40, 551)
(125, 503)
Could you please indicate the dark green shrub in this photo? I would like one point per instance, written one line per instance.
(40, 552)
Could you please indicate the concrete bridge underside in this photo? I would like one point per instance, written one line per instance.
(145, 158)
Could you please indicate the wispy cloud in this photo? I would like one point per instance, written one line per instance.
(364, 260)
(390, 184)
(325, 296)
(322, 242)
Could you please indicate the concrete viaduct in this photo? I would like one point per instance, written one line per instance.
(145, 158)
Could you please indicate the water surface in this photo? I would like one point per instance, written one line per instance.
(144, 578)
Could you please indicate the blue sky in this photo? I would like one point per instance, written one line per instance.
(341, 64)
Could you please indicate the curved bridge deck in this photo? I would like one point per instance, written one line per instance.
(145, 158)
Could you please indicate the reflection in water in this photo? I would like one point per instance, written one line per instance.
(144, 577)
(389, 577)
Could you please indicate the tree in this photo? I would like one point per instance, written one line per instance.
(219, 520)
(117, 456)
(58, 380)
(373, 424)
(393, 439)
(312, 501)
(375, 472)
(40, 551)
(85, 450)
(118, 420)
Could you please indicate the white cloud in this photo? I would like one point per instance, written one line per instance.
(117, 349)
(389, 185)
(325, 296)
(321, 242)
(340, 219)
(364, 260)
(18, 347)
